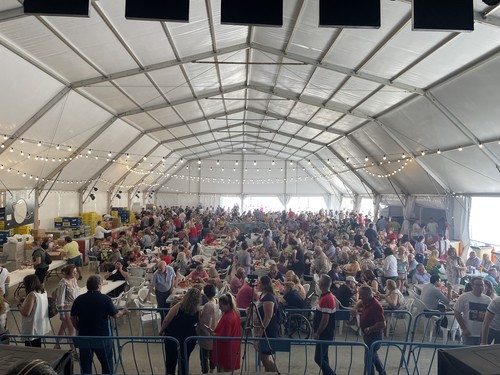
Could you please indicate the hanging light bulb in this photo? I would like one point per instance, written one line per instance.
(57, 147)
(69, 148)
(255, 162)
(217, 162)
(11, 149)
(236, 162)
(422, 153)
(5, 136)
(291, 162)
(22, 153)
(109, 154)
(89, 151)
(22, 140)
(460, 148)
(199, 161)
(438, 151)
(272, 162)
(145, 158)
(366, 158)
(385, 157)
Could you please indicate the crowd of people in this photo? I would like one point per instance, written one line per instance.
(358, 264)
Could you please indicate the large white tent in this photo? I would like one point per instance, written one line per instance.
(186, 112)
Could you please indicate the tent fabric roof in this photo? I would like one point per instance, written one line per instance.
(350, 101)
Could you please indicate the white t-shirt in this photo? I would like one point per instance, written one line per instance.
(473, 309)
(4, 273)
(390, 266)
(494, 308)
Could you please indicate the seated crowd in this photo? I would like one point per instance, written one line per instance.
(357, 264)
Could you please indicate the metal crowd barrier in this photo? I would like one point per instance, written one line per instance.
(408, 358)
(146, 355)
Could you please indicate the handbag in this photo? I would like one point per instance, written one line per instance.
(203, 331)
(52, 307)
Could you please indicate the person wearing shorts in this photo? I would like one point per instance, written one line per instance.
(73, 254)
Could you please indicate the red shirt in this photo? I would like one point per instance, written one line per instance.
(193, 232)
(372, 313)
(326, 305)
(167, 259)
(392, 236)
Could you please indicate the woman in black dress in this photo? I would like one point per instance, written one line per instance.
(180, 323)
(267, 314)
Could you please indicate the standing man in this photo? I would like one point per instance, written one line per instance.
(324, 324)
(470, 310)
(372, 323)
(73, 254)
(163, 283)
(39, 264)
(100, 232)
(90, 315)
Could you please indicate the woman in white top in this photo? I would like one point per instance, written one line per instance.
(4, 310)
(65, 294)
(393, 296)
(390, 265)
(4, 280)
(34, 310)
(209, 317)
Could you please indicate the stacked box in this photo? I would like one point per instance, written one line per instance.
(90, 220)
(2, 218)
(4, 234)
(73, 224)
(122, 212)
(25, 229)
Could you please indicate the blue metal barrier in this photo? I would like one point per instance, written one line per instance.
(146, 355)
(287, 346)
(421, 357)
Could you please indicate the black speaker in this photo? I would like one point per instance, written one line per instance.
(157, 10)
(252, 12)
(74, 8)
(352, 13)
(448, 15)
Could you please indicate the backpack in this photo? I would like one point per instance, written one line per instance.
(48, 258)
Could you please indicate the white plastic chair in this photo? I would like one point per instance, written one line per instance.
(137, 272)
(147, 315)
(307, 287)
(426, 322)
(93, 260)
(142, 294)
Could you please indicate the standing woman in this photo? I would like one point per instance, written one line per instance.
(35, 310)
(66, 293)
(390, 265)
(4, 309)
(455, 267)
(180, 323)
(4, 281)
(209, 317)
(226, 354)
(267, 308)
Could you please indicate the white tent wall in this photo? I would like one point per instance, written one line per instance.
(55, 204)
(169, 199)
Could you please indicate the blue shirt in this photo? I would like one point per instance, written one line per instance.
(162, 281)
(418, 278)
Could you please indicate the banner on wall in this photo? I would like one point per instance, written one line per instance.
(19, 208)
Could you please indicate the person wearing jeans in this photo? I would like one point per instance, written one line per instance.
(90, 314)
(324, 324)
(372, 323)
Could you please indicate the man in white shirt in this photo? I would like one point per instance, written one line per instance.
(100, 232)
(470, 310)
(442, 245)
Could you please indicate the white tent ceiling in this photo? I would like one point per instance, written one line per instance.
(349, 101)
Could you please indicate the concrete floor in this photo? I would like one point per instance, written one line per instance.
(139, 357)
